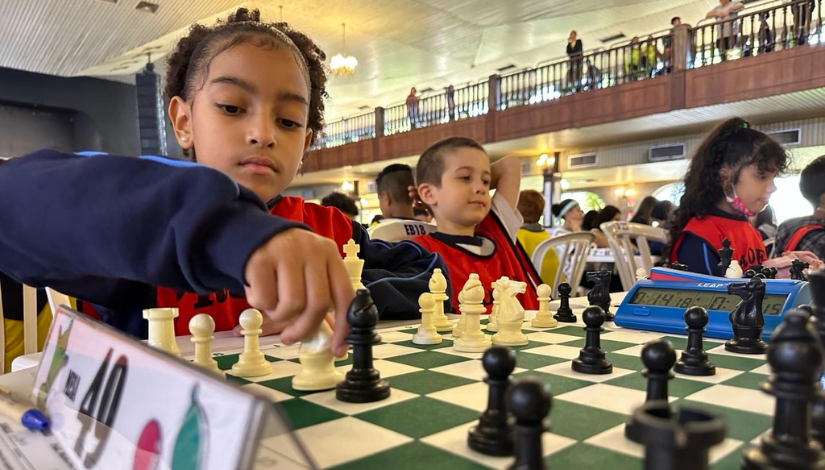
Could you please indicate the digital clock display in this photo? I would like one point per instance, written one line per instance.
(710, 300)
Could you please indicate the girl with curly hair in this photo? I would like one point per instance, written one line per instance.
(730, 178)
(246, 98)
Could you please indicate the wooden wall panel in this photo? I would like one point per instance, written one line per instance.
(775, 73)
(337, 157)
(413, 143)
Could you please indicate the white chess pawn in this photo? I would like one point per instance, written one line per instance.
(472, 338)
(426, 334)
(543, 318)
(640, 274)
(202, 326)
(251, 362)
(438, 287)
(162, 329)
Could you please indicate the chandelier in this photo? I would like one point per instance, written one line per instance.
(343, 64)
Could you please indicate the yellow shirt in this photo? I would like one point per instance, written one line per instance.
(529, 240)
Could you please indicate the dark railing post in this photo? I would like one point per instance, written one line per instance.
(681, 49)
(379, 122)
(494, 97)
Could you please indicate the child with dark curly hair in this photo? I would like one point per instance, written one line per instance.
(245, 99)
(730, 178)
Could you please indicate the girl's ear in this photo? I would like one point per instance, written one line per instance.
(427, 192)
(724, 175)
(180, 113)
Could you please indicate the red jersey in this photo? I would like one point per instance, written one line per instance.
(508, 259)
(224, 307)
(745, 240)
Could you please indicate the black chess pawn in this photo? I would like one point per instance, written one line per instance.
(658, 357)
(494, 433)
(679, 266)
(770, 273)
(749, 274)
(530, 402)
(362, 384)
(565, 314)
(680, 442)
(795, 357)
(725, 255)
(694, 360)
(592, 359)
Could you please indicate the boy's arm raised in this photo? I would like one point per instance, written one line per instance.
(506, 179)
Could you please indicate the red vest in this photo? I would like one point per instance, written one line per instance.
(745, 240)
(797, 237)
(225, 308)
(508, 259)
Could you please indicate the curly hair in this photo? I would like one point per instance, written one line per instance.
(188, 66)
(734, 144)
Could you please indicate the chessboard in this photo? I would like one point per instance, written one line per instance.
(439, 393)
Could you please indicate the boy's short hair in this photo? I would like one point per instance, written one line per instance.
(812, 181)
(342, 202)
(430, 166)
(675, 19)
(395, 181)
(531, 205)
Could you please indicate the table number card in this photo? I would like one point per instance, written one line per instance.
(116, 403)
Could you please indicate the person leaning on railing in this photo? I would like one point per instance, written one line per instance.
(727, 32)
(574, 70)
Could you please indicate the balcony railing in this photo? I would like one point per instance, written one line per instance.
(757, 30)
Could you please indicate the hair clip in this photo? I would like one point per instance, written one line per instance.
(745, 125)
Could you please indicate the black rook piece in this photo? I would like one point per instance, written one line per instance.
(494, 433)
(600, 293)
(591, 359)
(795, 356)
(725, 255)
(658, 357)
(694, 360)
(674, 444)
(565, 314)
(363, 384)
(746, 318)
(529, 402)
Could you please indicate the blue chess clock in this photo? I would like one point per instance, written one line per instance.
(659, 302)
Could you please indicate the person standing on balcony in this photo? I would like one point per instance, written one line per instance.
(727, 32)
(412, 108)
(801, 19)
(667, 41)
(574, 70)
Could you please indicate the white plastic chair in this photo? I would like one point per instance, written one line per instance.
(572, 250)
(620, 237)
(399, 230)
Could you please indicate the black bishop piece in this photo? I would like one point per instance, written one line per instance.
(817, 307)
(362, 384)
(592, 359)
(494, 433)
(694, 360)
(530, 402)
(565, 314)
(795, 357)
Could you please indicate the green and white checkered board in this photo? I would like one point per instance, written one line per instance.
(438, 394)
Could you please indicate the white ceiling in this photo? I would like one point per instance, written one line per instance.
(398, 43)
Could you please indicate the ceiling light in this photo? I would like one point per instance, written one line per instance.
(112, 2)
(346, 186)
(343, 64)
(147, 7)
(565, 185)
(619, 192)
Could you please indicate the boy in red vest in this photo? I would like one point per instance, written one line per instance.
(806, 233)
(476, 233)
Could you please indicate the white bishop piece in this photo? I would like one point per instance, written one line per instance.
(438, 288)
